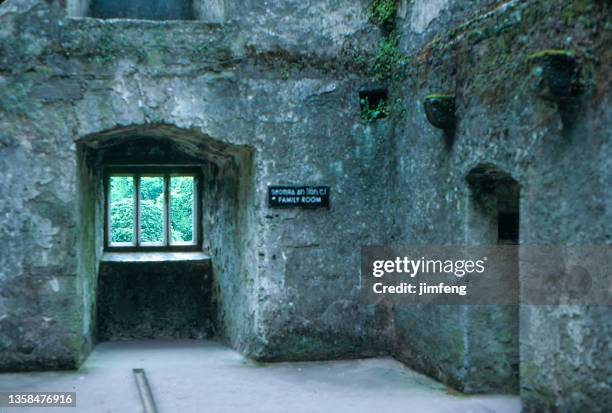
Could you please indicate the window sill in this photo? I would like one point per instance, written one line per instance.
(154, 256)
(125, 21)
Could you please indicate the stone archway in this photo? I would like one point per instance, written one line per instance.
(226, 204)
(493, 218)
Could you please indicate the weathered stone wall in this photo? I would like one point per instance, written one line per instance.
(420, 21)
(152, 299)
(83, 81)
(559, 158)
(271, 97)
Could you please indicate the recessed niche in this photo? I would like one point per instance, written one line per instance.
(142, 9)
(557, 74)
(493, 218)
(374, 104)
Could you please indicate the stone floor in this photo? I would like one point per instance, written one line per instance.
(198, 376)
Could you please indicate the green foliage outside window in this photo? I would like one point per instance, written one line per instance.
(122, 212)
(181, 209)
(151, 209)
(122, 208)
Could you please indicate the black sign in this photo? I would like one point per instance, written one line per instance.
(298, 196)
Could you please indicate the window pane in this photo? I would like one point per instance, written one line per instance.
(121, 209)
(152, 209)
(181, 209)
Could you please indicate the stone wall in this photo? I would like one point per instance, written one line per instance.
(560, 157)
(271, 97)
(155, 300)
(84, 81)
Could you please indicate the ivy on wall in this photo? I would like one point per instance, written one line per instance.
(387, 64)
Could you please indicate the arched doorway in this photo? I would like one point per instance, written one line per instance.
(493, 219)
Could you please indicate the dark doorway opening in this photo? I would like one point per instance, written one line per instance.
(494, 220)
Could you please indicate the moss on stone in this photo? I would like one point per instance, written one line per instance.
(575, 10)
(388, 61)
(439, 96)
(154, 57)
(440, 110)
(304, 347)
(550, 53)
(476, 36)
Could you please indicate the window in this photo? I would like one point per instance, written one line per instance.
(142, 9)
(152, 208)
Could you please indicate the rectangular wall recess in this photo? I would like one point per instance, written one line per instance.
(142, 9)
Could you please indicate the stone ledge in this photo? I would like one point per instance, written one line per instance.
(154, 256)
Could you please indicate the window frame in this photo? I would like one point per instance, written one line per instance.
(165, 171)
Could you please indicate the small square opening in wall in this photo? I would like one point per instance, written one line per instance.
(374, 104)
